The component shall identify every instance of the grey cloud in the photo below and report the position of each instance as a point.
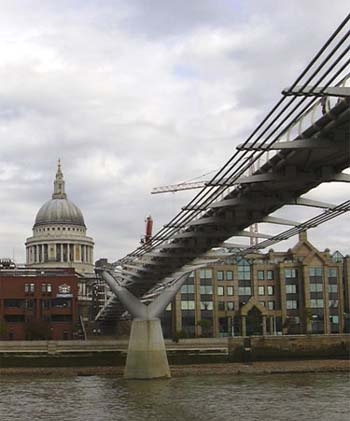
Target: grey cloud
(157, 18)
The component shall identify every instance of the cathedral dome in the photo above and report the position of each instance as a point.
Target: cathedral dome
(59, 210)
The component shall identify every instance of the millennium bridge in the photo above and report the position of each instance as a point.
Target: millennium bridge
(303, 141)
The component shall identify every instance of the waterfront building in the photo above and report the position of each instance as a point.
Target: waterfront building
(38, 304)
(302, 290)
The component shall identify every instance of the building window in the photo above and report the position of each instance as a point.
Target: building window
(316, 303)
(220, 290)
(205, 274)
(334, 319)
(64, 289)
(291, 289)
(270, 290)
(244, 291)
(261, 290)
(45, 304)
(261, 275)
(291, 304)
(317, 271)
(14, 302)
(14, 318)
(46, 288)
(262, 303)
(29, 288)
(337, 257)
(243, 270)
(229, 275)
(187, 305)
(187, 289)
(221, 305)
(61, 302)
(290, 273)
(206, 305)
(333, 303)
(206, 289)
(332, 272)
(29, 304)
(230, 305)
(66, 318)
(333, 288)
(229, 290)
(220, 275)
(269, 274)
(168, 307)
(316, 287)
(271, 305)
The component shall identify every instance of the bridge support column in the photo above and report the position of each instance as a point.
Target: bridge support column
(147, 357)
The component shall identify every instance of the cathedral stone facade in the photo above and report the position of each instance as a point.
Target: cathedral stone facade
(59, 234)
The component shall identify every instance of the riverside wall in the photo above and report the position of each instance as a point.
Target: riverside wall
(264, 348)
(62, 353)
(186, 351)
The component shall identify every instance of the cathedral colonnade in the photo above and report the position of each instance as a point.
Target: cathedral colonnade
(59, 252)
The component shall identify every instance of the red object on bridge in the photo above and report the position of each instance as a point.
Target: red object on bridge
(149, 226)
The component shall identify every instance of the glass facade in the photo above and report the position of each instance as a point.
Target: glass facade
(243, 270)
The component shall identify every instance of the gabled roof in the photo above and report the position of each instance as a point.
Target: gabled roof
(253, 302)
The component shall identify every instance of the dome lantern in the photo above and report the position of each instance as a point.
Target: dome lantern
(59, 192)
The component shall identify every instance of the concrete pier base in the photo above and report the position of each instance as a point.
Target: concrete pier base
(146, 357)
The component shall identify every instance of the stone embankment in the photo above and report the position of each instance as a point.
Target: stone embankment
(262, 348)
(199, 355)
(232, 369)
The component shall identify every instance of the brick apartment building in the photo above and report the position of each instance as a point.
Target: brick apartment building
(302, 290)
(38, 303)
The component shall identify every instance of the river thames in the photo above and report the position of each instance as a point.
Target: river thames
(315, 396)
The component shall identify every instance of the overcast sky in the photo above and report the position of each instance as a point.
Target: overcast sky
(137, 94)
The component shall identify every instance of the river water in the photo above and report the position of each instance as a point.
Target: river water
(280, 397)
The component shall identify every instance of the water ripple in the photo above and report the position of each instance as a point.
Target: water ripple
(272, 397)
